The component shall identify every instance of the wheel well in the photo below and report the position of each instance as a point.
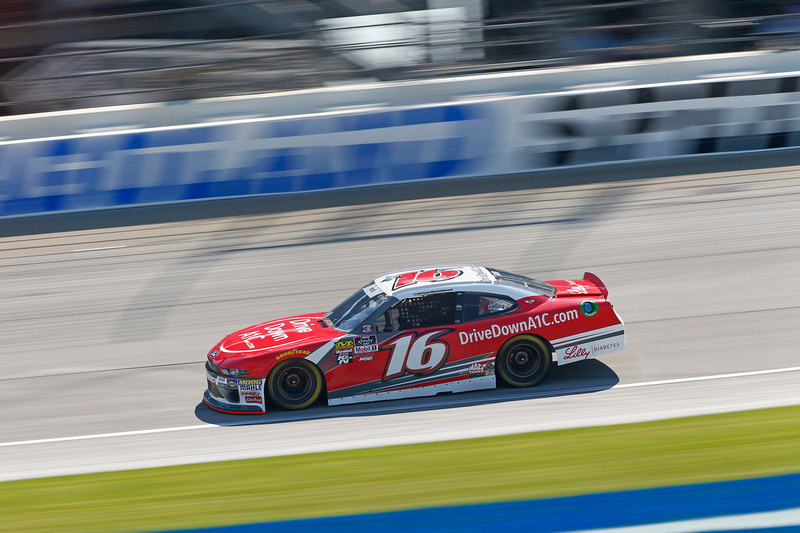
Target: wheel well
(549, 347)
(324, 392)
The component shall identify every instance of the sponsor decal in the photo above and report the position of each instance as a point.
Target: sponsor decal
(221, 382)
(301, 353)
(275, 331)
(575, 352)
(477, 369)
(589, 308)
(343, 348)
(252, 397)
(367, 328)
(278, 331)
(533, 322)
(250, 385)
(421, 276)
(366, 358)
(589, 349)
(605, 347)
(576, 288)
(366, 349)
(301, 325)
(343, 345)
(345, 359)
(227, 383)
(437, 291)
(545, 319)
(366, 341)
(213, 354)
(372, 290)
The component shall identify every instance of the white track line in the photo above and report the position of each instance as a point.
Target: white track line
(750, 522)
(231, 424)
(708, 378)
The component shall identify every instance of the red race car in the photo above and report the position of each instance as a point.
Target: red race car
(415, 333)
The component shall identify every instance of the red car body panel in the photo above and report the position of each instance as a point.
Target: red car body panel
(374, 361)
(257, 348)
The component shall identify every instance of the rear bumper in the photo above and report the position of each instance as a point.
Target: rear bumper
(589, 344)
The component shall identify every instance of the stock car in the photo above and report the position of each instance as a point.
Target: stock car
(414, 333)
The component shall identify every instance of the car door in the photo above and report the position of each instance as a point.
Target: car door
(479, 334)
(412, 344)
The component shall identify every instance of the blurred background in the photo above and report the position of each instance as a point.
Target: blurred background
(675, 181)
(69, 54)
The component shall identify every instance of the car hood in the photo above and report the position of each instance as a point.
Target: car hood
(277, 336)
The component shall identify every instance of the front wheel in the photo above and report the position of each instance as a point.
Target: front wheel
(523, 361)
(295, 384)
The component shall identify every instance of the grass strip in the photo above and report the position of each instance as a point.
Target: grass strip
(533, 465)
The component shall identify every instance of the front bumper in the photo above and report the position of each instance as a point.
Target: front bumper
(234, 395)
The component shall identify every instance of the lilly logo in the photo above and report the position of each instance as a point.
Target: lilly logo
(574, 352)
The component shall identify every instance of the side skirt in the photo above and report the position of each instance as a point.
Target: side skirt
(478, 383)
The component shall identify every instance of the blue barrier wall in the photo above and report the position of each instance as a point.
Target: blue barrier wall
(252, 157)
(108, 158)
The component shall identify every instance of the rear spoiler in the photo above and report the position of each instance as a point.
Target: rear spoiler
(594, 279)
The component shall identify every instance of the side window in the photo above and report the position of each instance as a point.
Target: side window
(419, 312)
(388, 321)
(478, 306)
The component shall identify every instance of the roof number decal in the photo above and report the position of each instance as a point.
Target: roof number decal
(421, 276)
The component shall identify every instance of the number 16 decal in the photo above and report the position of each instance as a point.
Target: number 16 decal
(417, 355)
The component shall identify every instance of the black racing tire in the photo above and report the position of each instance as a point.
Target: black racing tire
(523, 361)
(295, 384)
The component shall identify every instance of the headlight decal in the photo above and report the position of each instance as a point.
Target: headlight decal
(235, 372)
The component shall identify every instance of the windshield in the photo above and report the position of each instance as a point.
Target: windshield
(515, 279)
(352, 312)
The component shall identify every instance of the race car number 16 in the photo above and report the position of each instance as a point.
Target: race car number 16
(417, 357)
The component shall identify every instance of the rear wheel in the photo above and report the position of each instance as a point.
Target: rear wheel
(295, 384)
(523, 361)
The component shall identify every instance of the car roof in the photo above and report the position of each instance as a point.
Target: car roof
(408, 283)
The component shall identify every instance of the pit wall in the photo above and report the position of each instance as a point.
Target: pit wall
(365, 135)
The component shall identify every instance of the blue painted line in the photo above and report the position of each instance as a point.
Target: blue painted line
(573, 513)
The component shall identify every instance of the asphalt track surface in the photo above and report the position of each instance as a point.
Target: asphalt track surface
(106, 318)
